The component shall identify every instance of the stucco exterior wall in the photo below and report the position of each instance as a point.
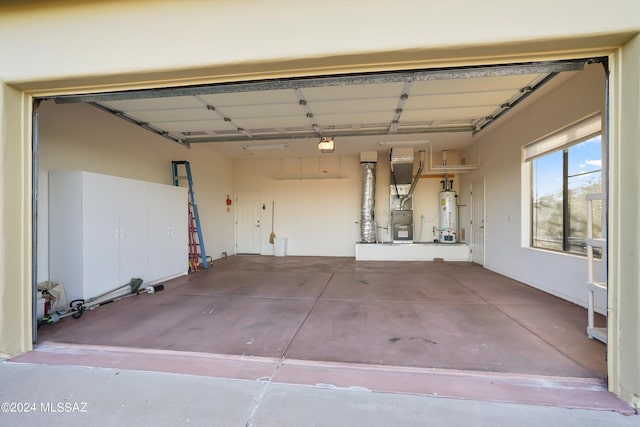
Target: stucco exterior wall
(55, 48)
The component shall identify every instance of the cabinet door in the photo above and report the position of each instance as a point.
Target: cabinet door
(133, 230)
(101, 234)
(179, 253)
(159, 225)
(167, 231)
(65, 231)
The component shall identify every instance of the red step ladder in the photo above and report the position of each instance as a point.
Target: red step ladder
(194, 254)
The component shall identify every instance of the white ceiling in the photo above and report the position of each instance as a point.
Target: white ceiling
(360, 115)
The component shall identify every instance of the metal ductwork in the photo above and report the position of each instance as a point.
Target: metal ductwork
(415, 181)
(367, 221)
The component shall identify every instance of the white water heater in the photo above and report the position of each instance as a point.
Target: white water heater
(448, 216)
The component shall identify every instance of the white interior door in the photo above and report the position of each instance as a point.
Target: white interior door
(477, 221)
(248, 222)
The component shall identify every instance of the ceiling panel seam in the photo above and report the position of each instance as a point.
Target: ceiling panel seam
(352, 108)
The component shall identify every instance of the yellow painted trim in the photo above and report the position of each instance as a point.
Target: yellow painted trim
(15, 223)
(451, 57)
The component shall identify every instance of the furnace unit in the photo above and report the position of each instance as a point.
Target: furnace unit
(401, 192)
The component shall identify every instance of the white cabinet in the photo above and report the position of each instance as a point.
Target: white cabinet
(104, 230)
(134, 233)
(168, 229)
(96, 233)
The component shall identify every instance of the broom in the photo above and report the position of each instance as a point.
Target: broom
(272, 236)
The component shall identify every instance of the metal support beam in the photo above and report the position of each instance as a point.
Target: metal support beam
(523, 94)
(143, 125)
(395, 122)
(307, 111)
(331, 133)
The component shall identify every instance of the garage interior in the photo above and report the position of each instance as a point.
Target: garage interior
(319, 305)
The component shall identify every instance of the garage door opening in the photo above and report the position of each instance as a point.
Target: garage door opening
(319, 303)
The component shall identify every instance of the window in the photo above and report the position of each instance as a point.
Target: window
(562, 174)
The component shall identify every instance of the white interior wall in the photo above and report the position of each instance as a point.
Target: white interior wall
(500, 151)
(81, 137)
(321, 216)
(318, 216)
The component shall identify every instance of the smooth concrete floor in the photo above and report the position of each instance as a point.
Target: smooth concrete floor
(425, 328)
(412, 314)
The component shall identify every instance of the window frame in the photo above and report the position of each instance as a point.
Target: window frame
(559, 141)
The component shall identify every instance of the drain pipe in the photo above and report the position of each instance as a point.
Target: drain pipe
(415, 181)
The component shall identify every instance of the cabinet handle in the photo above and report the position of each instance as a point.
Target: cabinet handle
(121, 233)
(117, 234)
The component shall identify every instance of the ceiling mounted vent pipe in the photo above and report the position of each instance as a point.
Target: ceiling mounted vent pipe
(415, 181)
(368, 162)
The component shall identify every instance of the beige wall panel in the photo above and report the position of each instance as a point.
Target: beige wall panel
(118, 42)
(15, 223)
(624, 229)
